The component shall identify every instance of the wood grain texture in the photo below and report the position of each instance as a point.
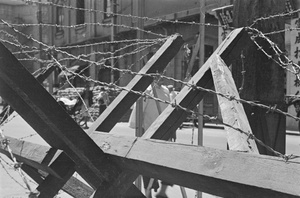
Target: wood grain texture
(58, 129)
(171, 118)
(120, 105)
(219, 172)
(233, 113)
(32, 155)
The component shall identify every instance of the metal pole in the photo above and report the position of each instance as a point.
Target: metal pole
(201, 62)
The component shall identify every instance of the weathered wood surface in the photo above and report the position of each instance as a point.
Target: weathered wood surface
(65, 168)
(38, 171)
(172, 118)
(233, 113)
(125, 100)
(219, 172)
(156, 64)
(40, 77)
(59, 130)
(108, 119)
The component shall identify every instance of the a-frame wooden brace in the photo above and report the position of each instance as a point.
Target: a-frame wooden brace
(110, 163)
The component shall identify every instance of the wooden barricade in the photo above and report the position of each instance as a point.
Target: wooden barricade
(111, 163)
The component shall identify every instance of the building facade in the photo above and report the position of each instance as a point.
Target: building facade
(90, 21)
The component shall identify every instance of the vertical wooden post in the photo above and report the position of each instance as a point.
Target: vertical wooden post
(139, 104)
(264, 79)
(112, 37)
(201, 62)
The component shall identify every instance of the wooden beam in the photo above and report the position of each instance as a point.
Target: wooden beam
(169, 49)
(116, 110)
(34, 151)
(120, 105)
(168, 122)
(43, 75)
(233, 113)
(219, 172)
(51, 121)
(65, 168)
(34, 167)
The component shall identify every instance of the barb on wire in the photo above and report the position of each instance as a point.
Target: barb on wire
(177, 106)
(159, 20)
(243, 73)
(17, 165)
(281, 59)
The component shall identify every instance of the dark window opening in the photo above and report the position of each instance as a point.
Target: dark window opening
(80, 12)
(59, 19)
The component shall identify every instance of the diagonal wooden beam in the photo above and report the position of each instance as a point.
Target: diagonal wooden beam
(125, 100)
(109, 118)
(171, 118)
(38, 171)
(218, 172)
(51, 185)
(168, 50)
(38, 108)
(43, 75)
(233, 113)
(122, 103)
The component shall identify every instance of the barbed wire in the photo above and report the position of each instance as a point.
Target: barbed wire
(87, 24)
(273, 108)
(17, 165)
(177, 106)
(281, 59)
(8, 173)
(49, 49)
(159, 20)
(280, 15)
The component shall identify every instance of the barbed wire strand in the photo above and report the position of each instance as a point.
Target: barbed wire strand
(159, 20)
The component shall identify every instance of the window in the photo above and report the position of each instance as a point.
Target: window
(80, 12)
(59, 18)
(107, 8)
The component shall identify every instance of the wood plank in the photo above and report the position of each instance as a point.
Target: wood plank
(45, 73)
(171, 118)
(65, 168)
(158, 63)
(125, 100)
(219, 172)
(123, 188)
(58, 129)
(233, 113)
(23, 148)
(108, 119)
(35, 155)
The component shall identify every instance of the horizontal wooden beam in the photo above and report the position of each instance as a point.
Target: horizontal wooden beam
(219, 172)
